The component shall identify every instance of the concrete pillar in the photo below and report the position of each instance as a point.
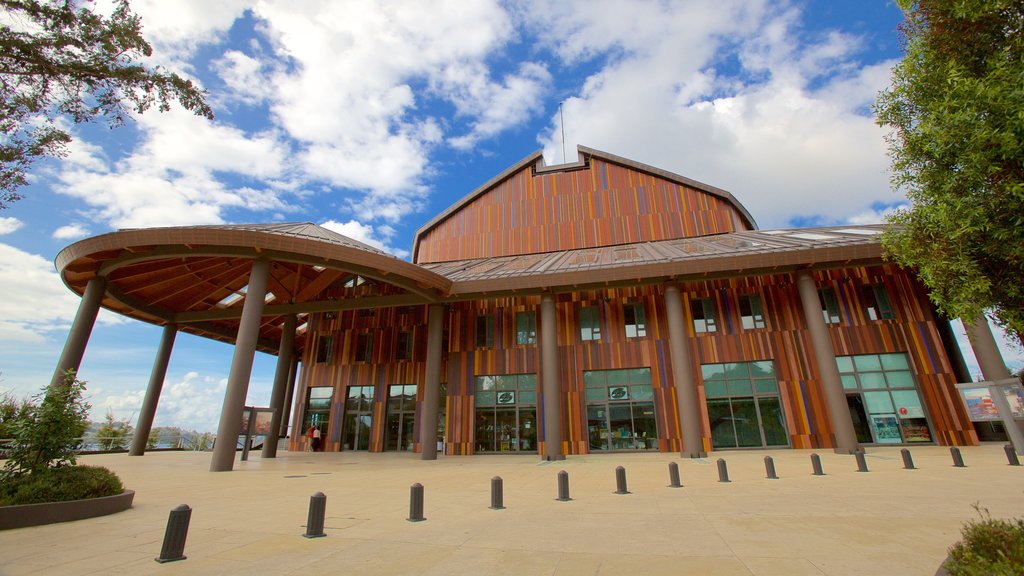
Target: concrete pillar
(432, 385)
(81, 329)
(682, 373)
(552, 394)
(287, 408)
(241, 368)
(156, 384)
(284, 364)
(831, 384)
(985, 349)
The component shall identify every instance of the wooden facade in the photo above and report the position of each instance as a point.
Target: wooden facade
(604, 202)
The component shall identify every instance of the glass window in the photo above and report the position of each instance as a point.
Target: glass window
(845, 363)
(364, 347)
(324, 349)
(590, 323)
(744, 408)
(894, 361)
(829, 305)
(703, 312)
(506, 418)
(877, 305)
(526, 328)
(403, 347)
(867, 362)
(872, 380)
(888, 405)
(751, 316)
(620, 409)
(485, 331)
(636, 324)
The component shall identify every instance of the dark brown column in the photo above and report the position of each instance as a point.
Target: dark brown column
(81, 329)
(432, 384)
(831, 384)
(682, 373)
(985, 349)
(552, 394)
(156, 384)
(277, 394)
(241, 368)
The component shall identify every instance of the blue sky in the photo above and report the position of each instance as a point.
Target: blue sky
(371, 117)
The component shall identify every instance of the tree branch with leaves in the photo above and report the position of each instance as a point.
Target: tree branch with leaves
(60, 60)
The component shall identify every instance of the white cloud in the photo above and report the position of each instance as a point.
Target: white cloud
(378, 238)
(735, 94)
(874, 215)
(193, 402)
(71, 232)
(176, 175)
(9, 224)
(496, 107)
(36, 304)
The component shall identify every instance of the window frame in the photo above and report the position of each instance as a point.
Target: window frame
(706, 323)
(364, 347)
(590, 323)
(403, 350)
(830, 309)
(877, 303)
(756, 309)
(527, 337)
(487, 331)
(639, 319)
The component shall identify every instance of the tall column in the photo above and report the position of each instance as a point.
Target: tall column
(552, 393)
(985, 349)
(284, 364)
(156, 384)
(287, 409)
(831, 384)
(682, 373)
(432, 385)
(81, 329)
(241, 367)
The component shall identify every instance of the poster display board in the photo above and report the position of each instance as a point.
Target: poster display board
(982, 408)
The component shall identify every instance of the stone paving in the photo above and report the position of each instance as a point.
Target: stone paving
(888, 520)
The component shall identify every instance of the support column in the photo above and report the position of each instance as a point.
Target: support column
(985, 349)
(287, 409)
(831, 384)
(156, 384)
(552, 394)
(81, 329)
(277, 394)
(682, 373)
(241, 367)
(432, 385)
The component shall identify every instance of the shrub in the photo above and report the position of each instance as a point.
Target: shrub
(60, 485)
(988, 548)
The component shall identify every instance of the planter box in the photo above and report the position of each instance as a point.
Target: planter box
(52, 512)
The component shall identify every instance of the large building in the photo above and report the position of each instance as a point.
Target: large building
(602, 305)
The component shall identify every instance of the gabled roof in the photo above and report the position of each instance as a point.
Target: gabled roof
(537, 160)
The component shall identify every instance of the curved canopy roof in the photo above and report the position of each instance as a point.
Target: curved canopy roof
(196, 276)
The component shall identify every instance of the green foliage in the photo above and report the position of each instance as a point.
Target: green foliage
(199, 441)
(11, 410)
(48, 437)
(61, 60)
(956, 114)
(113, 434)
(988, 548)
(60, 485)
(153, 440)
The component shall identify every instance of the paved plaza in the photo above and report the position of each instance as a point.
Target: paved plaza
(250, 521)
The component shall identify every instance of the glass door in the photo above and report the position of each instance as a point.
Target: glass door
(358, 420)
(401, 417)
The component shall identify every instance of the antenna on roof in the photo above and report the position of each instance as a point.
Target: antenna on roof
(561, 123)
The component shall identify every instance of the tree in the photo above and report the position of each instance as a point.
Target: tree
(957, 147)
(113, 434)
(49, 436)
(61, 61)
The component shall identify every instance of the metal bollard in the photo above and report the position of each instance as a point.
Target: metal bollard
(317, 512)
(958, 459)
(816, 464)
(673, 475)
(563, 486)
(769, 468)
(862, 463)
(620, 480)
(908, 460)
(497, 498)
(174, 538)
(416, 503)
(723, 471)
(1011, 455)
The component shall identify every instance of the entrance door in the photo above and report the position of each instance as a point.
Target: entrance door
(401, 417)
(358, 419)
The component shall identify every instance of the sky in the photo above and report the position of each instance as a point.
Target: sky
(371, 117)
